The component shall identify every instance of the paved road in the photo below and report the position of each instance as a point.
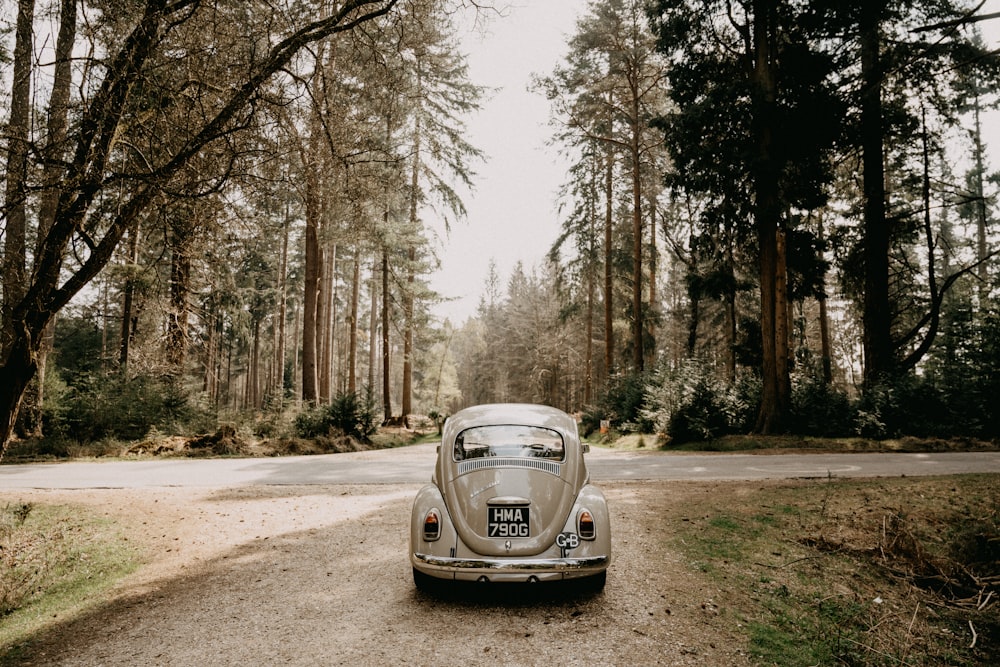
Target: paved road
(414, 465)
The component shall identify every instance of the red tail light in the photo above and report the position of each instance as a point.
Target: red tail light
(585, 525)
(432, 526)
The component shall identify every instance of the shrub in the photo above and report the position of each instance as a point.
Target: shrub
(102, 407)
(819, 409)
(907, 405)
(690, 403)
(22, 558)
(349, 414)
(621, 404)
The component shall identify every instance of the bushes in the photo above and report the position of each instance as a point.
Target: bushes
(691, 403)
(102, 407)
(349, 414)
(621, 404)
(820, 409)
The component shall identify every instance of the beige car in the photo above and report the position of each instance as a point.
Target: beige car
(510, 501)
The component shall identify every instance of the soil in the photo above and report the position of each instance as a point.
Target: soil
(319, 575)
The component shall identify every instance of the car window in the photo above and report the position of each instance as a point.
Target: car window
(509, 440)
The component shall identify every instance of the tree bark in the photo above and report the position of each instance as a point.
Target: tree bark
(129, 320)
(15, 192)
(373, 326)
(774, 400)
(877, 318)
(826, 351)
(181, 246)
(313, 268)
(324, 325)
(279, 347)
(411, 256)
(609, 221)
(54, 155)
(386, 370)
(638, 351)
(352, 351)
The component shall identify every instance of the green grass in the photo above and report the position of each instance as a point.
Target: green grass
(886, 572)
(56, 562)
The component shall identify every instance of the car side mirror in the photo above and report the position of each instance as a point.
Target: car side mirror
(586, 448)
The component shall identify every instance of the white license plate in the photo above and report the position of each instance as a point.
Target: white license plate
(508, 521)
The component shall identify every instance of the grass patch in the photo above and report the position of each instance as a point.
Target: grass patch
(794, 443)
(847, 572)
(55, 561)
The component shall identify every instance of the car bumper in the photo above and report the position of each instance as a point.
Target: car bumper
(509, 569)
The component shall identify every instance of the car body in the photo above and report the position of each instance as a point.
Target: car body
(510, 500)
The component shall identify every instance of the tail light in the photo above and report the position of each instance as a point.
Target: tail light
(585, 525)
(432, 526)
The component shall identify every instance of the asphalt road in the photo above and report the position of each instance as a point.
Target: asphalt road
(414, 464)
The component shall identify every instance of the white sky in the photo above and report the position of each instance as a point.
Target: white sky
(512, 214)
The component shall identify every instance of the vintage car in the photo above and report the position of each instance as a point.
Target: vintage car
(510, 500)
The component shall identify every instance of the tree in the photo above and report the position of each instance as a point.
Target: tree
(753, 124)
(440, 95)
(609, 91)
(90, 174)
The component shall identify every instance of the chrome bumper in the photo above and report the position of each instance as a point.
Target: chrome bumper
(539, 565)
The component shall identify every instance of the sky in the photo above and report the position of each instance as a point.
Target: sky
(512, 214)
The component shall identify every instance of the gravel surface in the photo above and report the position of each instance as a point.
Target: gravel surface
(319, 575)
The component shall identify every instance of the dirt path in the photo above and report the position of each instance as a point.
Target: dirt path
(319, 575)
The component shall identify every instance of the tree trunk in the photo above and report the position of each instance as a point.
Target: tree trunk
(55, 150)
(352, 344)
(129, 321)
(877, 318)
(588, 380)
(18, 370)
(311, 293)
(730, 297)
(783, 324)
(653, 267)
(386, 370)
(373, 326)
(15, 193)
(826, 351)
(983, 287)
(210, 383)
(774, 372)
(638, 352)
(694, 317)
(252, 395)
(407, 397)
(609, 221)
(324, 325)
(181, 243)
(279, 347)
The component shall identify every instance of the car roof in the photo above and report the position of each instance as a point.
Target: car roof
(528, 414)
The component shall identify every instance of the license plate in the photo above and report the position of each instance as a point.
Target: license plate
(508, 521)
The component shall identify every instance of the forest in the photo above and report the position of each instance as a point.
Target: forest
(778, 217)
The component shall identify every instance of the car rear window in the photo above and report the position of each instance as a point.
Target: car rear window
(509, 440)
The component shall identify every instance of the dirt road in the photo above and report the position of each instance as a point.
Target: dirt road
(318, 575)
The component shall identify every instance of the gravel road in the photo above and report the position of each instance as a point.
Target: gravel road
(319, 575)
